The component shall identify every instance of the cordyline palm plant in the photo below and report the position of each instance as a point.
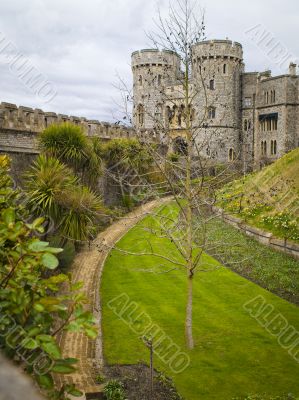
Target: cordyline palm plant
(54, 191)
(83, 209)
(45, 182)
(69, 144)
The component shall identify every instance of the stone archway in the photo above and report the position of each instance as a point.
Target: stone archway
(180, 146)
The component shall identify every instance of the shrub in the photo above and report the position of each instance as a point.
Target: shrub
(114, 390)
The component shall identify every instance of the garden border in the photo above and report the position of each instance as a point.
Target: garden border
(266, 238)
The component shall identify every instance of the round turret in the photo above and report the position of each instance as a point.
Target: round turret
(216, 73)
(152, 71)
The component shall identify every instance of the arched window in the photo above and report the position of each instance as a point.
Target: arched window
(168, 115)
(158, 113)
(274, 95)
(27, 118)
(181, 115)
(140, 113)
(212, 84)
(46, 122)
(212, 112)
(231, 155)
(224, 68)
(180, 146)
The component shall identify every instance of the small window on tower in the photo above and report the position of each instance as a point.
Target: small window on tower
(159, 79)
(140, 114)
(224, 68)
(212, 112)
(212, 84)
(231, 155)
(247, 102)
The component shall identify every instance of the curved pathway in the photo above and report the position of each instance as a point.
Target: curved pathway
(87, 267)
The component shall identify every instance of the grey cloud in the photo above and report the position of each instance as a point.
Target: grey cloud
(79, 45)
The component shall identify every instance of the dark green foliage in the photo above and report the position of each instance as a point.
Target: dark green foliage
(68, 143)
(114, 390)
(54, 191)
(30, 301)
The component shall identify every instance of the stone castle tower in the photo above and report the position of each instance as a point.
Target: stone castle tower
(152, 71)
(230, 110)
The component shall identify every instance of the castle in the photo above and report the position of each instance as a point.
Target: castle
(249, 116)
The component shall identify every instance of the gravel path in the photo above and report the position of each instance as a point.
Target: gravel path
(87, 267)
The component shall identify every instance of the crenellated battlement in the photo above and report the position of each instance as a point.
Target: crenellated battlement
(154, 57)
(26, 119)
(20, 126)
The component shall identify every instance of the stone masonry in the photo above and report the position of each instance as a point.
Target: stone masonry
(247, 116)
(19, 127)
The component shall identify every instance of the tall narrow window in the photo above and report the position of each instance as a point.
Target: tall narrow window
(212, 113)
(245, 125)
(158, 113)
(273, 147)
(212, 84)
(46, 122)
(159, 79)
(231, 155)
(224, 68)
(140, 80)
(274, 97)
(27, 118)
(264, 147)
(140, 113)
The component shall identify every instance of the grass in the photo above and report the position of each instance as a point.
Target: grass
(267, 199)
(273, 270)
(234, 356)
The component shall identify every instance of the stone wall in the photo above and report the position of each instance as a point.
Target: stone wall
(261, 236)
(19, 127)
(235, 95)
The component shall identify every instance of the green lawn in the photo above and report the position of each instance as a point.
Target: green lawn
(273, 270)
(234, 355)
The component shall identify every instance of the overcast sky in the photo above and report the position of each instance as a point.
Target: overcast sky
(78, 47)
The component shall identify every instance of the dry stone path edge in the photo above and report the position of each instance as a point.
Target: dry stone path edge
(87, 268)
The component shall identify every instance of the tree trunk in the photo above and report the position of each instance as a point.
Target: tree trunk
(189, 307)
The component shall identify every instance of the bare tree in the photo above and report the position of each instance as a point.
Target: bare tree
(174, 103)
